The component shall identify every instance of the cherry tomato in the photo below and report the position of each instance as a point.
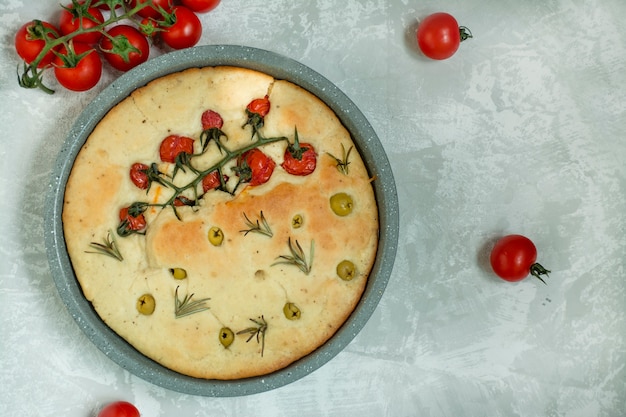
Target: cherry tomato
(153, 10)
(173, 145)
(124, 47)
(130, 224)
(201, 6)
(212, 181)
(260, 106)
(211, 119)
(29, 41)
(439, 35)
(185, 29)
(255, 167)
(119, 409)
(70, 22)
(513, 258)
(299, 159)
(139, 175)
(74, 74)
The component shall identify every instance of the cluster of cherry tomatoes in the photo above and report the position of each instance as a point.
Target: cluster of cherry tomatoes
(120, 31)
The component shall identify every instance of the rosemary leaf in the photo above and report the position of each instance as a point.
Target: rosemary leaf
(186, 307)
(256, 227)
(297, 257)
(108, 248)
(257, 330)
(342, 164)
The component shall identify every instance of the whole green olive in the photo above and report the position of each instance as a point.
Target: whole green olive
(227, 337)
(146, 304)
(297, 221)
(346, 270)
(178, 273)
(341, 204)
(216, 236)
(292, 311)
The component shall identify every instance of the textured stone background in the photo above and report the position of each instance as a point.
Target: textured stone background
(522, 131)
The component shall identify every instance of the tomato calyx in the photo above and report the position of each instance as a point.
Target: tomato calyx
(294, 149)
(465, 33)
(537, 270)
(70, 58)
(121, 46)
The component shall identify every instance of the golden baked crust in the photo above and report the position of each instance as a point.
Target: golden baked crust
(246, 281)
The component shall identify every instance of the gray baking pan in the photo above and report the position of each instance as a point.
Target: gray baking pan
(279, 67)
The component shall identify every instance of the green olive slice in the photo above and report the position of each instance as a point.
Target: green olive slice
(178, 273)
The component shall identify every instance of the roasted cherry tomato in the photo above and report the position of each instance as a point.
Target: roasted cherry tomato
(124, 47)
(139, 175)
(119, 409)
(200, 6)
(75, 71)
(184, 30)
(439, 35)
(211, 119)
(29, 41)
(255, 167)
(513, 258)
(83, 17)
(260, 106)
(299, 159)
(130, 223)
(152, 11)
(212, 181)
(173, 145)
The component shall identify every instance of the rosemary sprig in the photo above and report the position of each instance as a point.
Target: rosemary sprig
(256, 227)
(186, 307)
(297, 257)
(257, 330)
(108, 248)
(342, 164)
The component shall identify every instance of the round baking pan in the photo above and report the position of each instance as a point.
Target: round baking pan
(279, 67)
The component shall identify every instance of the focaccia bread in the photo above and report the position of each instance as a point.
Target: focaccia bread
(221, 221)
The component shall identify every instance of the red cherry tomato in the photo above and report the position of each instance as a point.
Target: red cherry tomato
(185, 30)
(260, 106)
(124, 47)
(153, 10)
(139, 175)
(255, 167)
(119, 409)
(129, 223)
(300, 159)
(439, 35)
(29, 41)
(173, 145)
(211, 119)
(201, 6)
(81, 75)
(513, 258)
(212, 181)
(70, 22)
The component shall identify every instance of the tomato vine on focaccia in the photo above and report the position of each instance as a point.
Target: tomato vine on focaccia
(238, 218)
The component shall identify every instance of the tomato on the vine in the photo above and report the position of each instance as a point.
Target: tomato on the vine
(78, 69)
(173, 145)
(119, 409)
(182, 28)
(299, 158)
(201, 6)
(30, 41)
(124, 47)
(82, 17)
(130, 222)
(153, 11)
(439, 35)
(513, 258)
(255, 167)
(139, 175)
